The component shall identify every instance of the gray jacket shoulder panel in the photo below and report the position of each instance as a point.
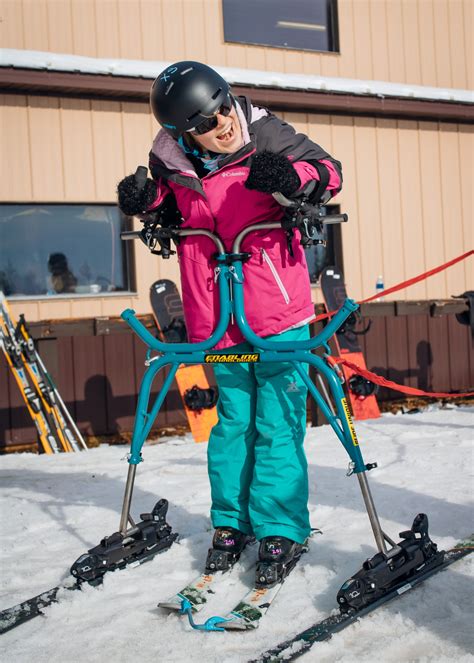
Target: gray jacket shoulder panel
(273, 134)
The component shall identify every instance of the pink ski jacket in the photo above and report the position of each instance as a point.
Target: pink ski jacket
(276, 285)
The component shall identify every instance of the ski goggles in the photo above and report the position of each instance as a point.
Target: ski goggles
(211, 121)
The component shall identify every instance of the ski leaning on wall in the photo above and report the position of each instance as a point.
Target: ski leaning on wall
(56, 429)
(199, 399)
(361, 392)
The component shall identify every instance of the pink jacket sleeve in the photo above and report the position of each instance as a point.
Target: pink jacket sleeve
(307, 172)
(162, 190)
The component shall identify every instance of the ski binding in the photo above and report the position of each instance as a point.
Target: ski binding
(137, 545)
(416, 553)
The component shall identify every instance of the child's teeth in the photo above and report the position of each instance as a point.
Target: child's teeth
(226, 135)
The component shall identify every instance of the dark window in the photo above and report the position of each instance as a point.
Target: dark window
(320, 256)
(63, 250)
(309, 25)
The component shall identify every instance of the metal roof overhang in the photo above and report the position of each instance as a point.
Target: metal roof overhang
(124, 88)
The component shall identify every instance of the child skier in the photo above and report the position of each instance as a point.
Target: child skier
(219, 159)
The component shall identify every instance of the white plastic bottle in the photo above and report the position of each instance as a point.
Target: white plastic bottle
(379, 287)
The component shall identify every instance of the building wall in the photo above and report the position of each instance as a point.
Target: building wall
(407, 184)
(423, 42)
(407, 190)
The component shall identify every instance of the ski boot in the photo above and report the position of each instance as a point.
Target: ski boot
(277, 556)
(227, 545)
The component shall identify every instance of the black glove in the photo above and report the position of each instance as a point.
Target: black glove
(137, 192)
(270, 172)
(167, 214)
(135, 196)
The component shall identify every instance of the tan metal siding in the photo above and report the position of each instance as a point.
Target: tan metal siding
(60, 27)
(411, 204)
(407, 189)
(46, 154)
(345, 148)
(468, 24)
(466, 179)
(426, 42)
(78, 149)
(433, 230)
(410, 29)
(15, 164)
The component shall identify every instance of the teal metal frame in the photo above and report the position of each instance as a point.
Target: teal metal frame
(230, 279)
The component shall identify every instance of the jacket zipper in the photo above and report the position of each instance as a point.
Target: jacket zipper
(276, 275)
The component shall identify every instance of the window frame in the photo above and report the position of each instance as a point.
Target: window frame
(128, 255)
(332, 27)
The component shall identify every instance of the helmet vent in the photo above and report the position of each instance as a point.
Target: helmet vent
(217, 93)
(169, 88)
(186, 71)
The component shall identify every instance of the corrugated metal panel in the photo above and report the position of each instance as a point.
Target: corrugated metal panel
(412, 41)
(77, 149)
(15, 164)
(466, 171)
(434, 232)
(60, 26)
(468, 22)
(46, 147)
(409, 178)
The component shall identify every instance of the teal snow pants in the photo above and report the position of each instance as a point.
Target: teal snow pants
(256, 460)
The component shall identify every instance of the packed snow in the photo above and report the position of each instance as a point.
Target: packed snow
(56, 507)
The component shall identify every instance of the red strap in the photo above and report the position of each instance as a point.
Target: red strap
(418, 278)
(405, 284)
(383, 382)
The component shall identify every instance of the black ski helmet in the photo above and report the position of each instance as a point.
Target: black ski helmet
(185, 94)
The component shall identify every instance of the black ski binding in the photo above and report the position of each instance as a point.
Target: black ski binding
(175, 332)
(197, 399)
(141, 543)
(349, 326)
(227, 546)
(362, 387)
(415, 554)
(277, 558)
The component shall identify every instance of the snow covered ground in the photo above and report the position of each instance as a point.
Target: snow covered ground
(56, 507)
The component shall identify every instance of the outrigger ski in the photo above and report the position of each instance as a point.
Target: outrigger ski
(136, 545)
(294, 647)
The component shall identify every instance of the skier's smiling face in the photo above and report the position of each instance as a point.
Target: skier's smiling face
(226, 137)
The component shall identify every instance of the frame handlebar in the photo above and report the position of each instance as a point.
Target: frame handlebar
(159, 233)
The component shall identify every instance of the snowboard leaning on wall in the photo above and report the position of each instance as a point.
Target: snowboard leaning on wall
(199, 398)
(361, 392)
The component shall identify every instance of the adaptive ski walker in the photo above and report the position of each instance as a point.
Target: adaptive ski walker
(394, 562)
